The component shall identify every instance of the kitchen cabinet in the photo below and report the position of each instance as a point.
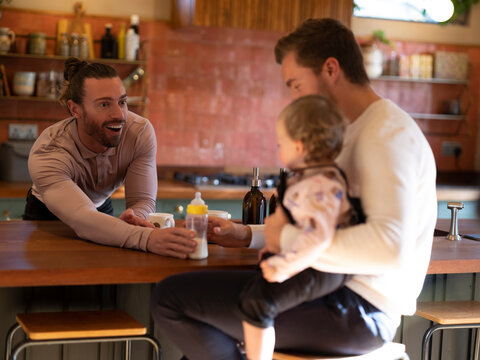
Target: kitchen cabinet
(12, 208)
(275, 15)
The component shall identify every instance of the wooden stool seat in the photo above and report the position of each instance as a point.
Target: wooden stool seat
(54, 328)
(450, 312)
(449, 315)
(389, 351)
(79, 324)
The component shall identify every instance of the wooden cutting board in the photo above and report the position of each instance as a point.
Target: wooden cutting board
(77, 25)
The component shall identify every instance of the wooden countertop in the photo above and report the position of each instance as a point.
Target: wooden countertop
(40, 253)
(43, 253)
(167, 189)
(451, 257)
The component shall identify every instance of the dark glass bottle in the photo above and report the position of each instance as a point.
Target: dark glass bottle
(109, 44)
(254, 203)
(272, 204)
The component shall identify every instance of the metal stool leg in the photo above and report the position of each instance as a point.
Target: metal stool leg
(128, 350)
(10, 335)
(433, 328)
(477, 345)
(426, 341)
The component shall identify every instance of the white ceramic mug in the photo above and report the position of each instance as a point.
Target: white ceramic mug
(219, 213)
(24, 83)
(161, 220)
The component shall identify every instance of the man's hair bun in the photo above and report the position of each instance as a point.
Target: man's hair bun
(72, 67)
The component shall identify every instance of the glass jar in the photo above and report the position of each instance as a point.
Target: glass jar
(37, 43)
(41, 88)
(83, 45)
(51, 84)
(74, 45)
(64, 45)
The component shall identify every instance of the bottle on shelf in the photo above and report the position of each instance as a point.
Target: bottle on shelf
(121, 42)
(197, 220)
(132, 39)
(254, 203)
(131, 45)
(74, 45)
(134, 20)
(108, 44)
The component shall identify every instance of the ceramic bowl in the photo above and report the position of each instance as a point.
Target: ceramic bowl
(24, 83)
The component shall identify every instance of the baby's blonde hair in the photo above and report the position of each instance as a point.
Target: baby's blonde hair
(318, 124)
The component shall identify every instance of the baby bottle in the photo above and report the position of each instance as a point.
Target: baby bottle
(197, 219)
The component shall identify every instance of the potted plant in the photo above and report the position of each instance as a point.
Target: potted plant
(461, 8)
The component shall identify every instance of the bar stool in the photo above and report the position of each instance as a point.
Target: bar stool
(449, 315)
(389, 351)
(54, 328)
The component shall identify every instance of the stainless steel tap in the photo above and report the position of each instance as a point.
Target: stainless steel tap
(454, 208)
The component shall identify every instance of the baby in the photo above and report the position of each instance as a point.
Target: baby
(315, 199)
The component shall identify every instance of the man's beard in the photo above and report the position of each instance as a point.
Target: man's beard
(98, 132)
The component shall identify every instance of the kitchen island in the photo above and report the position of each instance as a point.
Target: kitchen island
(44, 266)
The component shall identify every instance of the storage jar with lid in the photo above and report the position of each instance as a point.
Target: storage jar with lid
(37, 43)
(83, 45)
(64, 45)
(74, 45)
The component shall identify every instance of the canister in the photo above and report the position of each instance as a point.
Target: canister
(36, 43)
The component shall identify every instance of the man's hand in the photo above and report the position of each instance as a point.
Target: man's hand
(227, 233)
(129, 217)
(174, 242)
(273, 228)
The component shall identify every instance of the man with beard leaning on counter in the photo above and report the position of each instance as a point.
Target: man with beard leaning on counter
(389, 166)
(77, 163)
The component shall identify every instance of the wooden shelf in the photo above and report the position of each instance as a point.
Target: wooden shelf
(63, 58)
(133, 101)
(438, 116)
(28, 98)
(419, 80)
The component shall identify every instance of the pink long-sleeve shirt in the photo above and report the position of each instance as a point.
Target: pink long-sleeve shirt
(73, 181)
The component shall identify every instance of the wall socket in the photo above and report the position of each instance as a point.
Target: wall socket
(451, 148)
(22, 131)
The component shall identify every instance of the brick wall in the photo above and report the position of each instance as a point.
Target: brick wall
(214, 93)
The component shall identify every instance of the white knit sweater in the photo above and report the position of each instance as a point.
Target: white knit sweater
(390, 166)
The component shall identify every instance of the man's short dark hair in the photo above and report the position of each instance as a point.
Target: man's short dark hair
(316, 40)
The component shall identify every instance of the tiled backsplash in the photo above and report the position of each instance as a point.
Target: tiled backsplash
(214, 94)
